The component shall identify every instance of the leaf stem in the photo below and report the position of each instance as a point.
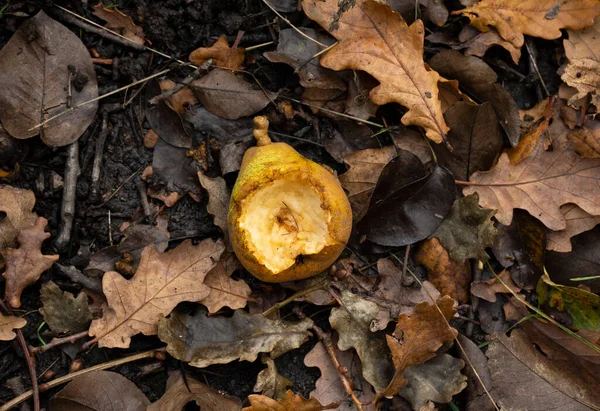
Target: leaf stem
(317, 286)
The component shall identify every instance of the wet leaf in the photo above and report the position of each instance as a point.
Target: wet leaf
(201, 340)
(161, 282)
(25, 265)
(221, 53)
(35, 71)
(353, 322)
(16, 205)
(449, 276)
(218, 199)
(417, 337)
(182, 391)
(515, 18)
(578, 221)
(100, 391)
(8, 324)
(468, 230)
(375, 39)
(120, 22)
(295, 402)
(438, 380)
(224, 290)
(172, 165)
(62, 311)
(270, 383)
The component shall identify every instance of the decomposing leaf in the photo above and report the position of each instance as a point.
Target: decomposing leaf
(358, 103)
(582, 307)
(179, 101)
(8, 324)
(165, 121)
(468, 230)
(438, 380)
(161, 282)
(515, 18)
(270, 383)
(223, 55)
(353, 322)
(417, 337)
(449, 276)
(37, 66)
(492, 317)
(120, 22)
(406, 205)
(172, 165)
(540, 184)
(475, 136)
(16, 205)
(375, 39)
(291, 401)
(477, 399)
(202, 340)
(100, 391)
(329, 388)
(229, 96)
(180, 392)
(524, 379)
(583, 75)
(578, 221)
(487, 289)
(62, 311)
(224, 290)
(25, 265)
(218, 199)
(587, 139)
(583, 43)
(530, 139)
(479, 81)
(482, 42)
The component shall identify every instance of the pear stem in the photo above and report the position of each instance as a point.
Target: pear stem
(261, 131)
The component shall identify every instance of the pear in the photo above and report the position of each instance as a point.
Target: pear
(289, 218)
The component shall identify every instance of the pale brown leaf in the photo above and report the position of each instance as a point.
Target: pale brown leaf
(17, 205)
(583, 43)
(578, 221)
(120, 22)
(269, 382)
(587, 139)
(291, 402)
(584, 75)
(161, 282)
(8, 324)
(488, 289)
(218, 199)
(223, 55)
(224, 290)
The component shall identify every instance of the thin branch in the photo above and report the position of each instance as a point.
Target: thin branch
(292, 26)
(317, 286)
(67, 211)
(58, 341)
(186, 82)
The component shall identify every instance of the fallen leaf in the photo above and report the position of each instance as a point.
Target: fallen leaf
(540, 184)
(120, 22)
(201, 340)
(492, 317)
(164, 120)
(224, 290)
(587, 139)
(468, 230)
(515, 18)
(375, 39)
(100, 391)
(269, 382)
(581, 306)
(578, 221)
(487, 289)
(582, 74)
(358, 103)
(36, 66)
(291, 402)
(353, 322)
(180, 392)
(438, 380)
(8, 324)
(229, 96)
(179, 101)
(475, 136)
(218, 199)
(524, 378)
(530, 139)
(62, 311)
(25, 265)
(223, 55)
(477, 399)
(482, 42)
(161, 282)
(417, 338)
(449, 276)
(583, 43)
(172, 165)
(16, 205)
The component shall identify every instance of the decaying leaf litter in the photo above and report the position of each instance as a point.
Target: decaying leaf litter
(466, 139)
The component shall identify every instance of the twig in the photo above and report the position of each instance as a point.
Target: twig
(292, 26)
(317, 286)
(360, 120)
(58, 341)
(257, 46)
(477, 268)
(343, 372)
(406, 255)
(531, 51)
(97, 60)
(97, 167)
(30, 363)
(118, 188)
(66, 378)
(78, 277)
(143, 198)
(67, 211)
(185, 82)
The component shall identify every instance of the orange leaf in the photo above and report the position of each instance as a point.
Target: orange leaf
(291, 402)
(116, 20)
(377, 40)
(223, 55)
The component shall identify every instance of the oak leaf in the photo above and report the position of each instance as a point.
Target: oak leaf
(224, 290)
(161, 281)
(515, 18)
(62, 311)
(16, 204)
(578, 221)
(121, 22)
(377, 40)
(25, 265)
(488, 289)
(540, 184)
(291, 402)
(584, 75)
(587, 139)
(417, 338)
(218, 199)
(8, 324)
(269, 382)
(223, 55)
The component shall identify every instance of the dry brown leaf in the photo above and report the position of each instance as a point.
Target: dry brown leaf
(530, 140)
(161, 282)
(120, 22)
(224, 291)
(417, 338)
(584, 75)
(537, 18)
(377, 40)
(218, 199)
(450, 277)
(540, 184)
(587, 139)
(180, 100)
(291, 402)
(478, 45)
(223, 55)
(578, 221)
(488, 289)
(25, 265)
(8, 324)
(584, 43)
(269, 382)
(16, 204)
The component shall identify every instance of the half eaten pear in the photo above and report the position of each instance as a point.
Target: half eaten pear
(289, 217)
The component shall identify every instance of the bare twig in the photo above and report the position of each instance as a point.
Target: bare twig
(58, 341)
(67, 211)
(77, 276)
(185, 82)
(532, 52)
(141, 187)
(477, 268)
(292, 26)
(317, 286)
(97, 167)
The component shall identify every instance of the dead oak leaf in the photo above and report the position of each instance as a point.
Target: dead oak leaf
(377, 40)
(417, 338)
(224, 56)
(291, 402)
(538, 18)
(587, 139)
(269, 382)
(578, 221)
(8, 324)
(540, 184)
(16, 204)
(218, 199)
(224, 290)
(25, 265)
(161, 281)
(121, 22)
(584, 75)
